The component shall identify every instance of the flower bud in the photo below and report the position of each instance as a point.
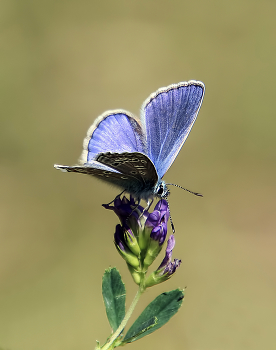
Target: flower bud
(157, 220)
(123, 249)
(131, 242)
(136, 275)
(166, 269)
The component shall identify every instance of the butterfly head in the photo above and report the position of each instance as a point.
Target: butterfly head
(161, 190)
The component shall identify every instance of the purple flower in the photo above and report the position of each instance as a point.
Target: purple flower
(119, 238)
(140, 236)
(127, 246)
(167, 267)
(131, 215)
(125, 209)
(158, 221)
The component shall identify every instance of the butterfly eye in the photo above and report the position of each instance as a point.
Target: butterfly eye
(160, 190)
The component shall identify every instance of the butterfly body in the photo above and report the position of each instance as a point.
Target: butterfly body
(134, 156)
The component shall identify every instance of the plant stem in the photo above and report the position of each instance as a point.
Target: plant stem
(125, 320)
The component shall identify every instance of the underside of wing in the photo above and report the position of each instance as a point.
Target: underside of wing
(101, 172)
(114, 131)
(167, 118)
(133, 172)
(135, 165)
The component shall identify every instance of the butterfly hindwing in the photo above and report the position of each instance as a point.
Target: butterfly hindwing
(167, 117)
(134, 164)
(104, 173)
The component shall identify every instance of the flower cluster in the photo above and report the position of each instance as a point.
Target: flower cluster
(140, 237)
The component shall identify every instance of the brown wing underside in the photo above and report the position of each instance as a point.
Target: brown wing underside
(135, 172)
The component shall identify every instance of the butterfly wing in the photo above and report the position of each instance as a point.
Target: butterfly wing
(137, 168)
(102, 172)
(133, 172)
(114, 131)
(112, 152)
(167, 117)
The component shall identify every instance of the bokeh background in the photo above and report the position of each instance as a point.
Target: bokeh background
(63, 63)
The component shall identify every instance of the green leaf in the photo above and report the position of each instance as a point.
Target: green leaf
(114, 295)
(162, 308)
(143, 328)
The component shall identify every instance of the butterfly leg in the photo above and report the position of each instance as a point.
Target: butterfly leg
(149, 203)
(136, 206)
(119, 195)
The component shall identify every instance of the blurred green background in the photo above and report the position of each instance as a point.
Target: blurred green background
(63, 63)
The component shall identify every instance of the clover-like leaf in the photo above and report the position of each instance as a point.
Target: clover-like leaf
(161, 309)
(144, 327)
(114, 295)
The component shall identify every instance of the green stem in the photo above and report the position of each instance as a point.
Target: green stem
(125, 320)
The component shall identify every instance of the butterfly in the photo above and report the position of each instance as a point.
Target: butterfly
(135, 155)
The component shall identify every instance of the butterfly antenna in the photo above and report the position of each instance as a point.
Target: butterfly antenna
(195, 193)
(172, 225)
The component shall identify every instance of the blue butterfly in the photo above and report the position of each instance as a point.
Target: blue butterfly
(133, 155)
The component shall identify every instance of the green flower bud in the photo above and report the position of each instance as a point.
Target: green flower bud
(136, 275)
(123, 249)
(131, 242)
